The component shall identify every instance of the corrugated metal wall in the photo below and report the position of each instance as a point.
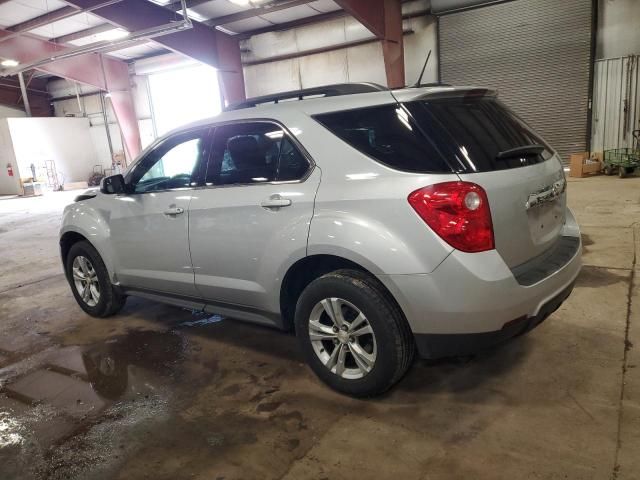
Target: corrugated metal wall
(616, 102)
(537, 53)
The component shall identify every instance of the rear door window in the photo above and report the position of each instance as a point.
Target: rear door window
(389, 135)
(254, 152)
(479, 134)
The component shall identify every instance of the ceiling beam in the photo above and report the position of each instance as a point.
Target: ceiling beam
(70, 37)
(43, 20)
(198, 42)
(87, 32)
(190, 4)
(201, 42)
(100, 71)
(255, 12)
(369, 13)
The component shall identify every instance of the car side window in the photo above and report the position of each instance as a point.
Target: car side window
(172, 164)
(292, 165)
(247, 153)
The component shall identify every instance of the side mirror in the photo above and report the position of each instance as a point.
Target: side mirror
(113, 185)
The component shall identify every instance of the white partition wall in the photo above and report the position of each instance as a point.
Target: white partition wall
(66, 141)
(9, 174)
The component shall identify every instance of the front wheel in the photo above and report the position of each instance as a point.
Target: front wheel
(90, 283)
(353, 335)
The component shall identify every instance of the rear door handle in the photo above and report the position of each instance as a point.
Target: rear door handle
(174, 211)
(275, 201)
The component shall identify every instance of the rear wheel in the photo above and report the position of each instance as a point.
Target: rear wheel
(354, 337)
(90, 283)
(622, 172)
(607, 170)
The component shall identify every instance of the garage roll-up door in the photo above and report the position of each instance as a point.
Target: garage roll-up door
(536, 53)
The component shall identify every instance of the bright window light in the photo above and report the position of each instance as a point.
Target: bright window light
(184, 95)
(114, 34)
(9, 63)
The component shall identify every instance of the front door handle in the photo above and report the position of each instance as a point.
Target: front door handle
(174, 211)
(275, 201)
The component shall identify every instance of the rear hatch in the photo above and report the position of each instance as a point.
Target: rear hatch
(486, 143)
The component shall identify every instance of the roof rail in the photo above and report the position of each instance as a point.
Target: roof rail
(326, 91)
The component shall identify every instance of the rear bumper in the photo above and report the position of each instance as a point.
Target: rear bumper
(474, 299)
(451, 345)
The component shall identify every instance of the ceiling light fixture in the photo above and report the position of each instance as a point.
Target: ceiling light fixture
(115, 34)
(242, 3)
(9, 63)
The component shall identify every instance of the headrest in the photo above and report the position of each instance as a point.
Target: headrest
(245, 151)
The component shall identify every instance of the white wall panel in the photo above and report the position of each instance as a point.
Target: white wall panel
(9, 185)
(355, 31)
(616, 103)
(365, 64)
(66, 141)
(270, 44)
(362, 63)
(618, 28)
(324, 69)
(416, 48)
(272, 77)
(320, 35)
(8, 112)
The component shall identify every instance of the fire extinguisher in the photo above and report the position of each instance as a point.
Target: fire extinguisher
(10, 169)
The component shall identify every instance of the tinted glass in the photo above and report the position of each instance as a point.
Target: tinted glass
(292, 165)
(387, 134)
(171, 165)
(248, 153)
(476, 134)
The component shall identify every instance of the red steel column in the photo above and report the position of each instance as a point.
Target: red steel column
(230, 70)
(384, 19)
(87, 69)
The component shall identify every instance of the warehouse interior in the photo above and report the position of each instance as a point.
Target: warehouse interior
(159, 391)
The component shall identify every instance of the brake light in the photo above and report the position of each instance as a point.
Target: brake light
(458, 212)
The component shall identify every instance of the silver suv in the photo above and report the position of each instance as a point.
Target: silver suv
(372, 222)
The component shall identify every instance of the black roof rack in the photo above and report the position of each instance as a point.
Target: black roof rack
(326, 91)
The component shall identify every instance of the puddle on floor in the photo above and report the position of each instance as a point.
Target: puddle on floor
(70, 414)
(202, 322)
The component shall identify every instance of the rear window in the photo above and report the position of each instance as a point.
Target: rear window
(479, 134)
(388, 134)
(461, 134)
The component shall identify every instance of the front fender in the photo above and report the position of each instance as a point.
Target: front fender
(87, 219)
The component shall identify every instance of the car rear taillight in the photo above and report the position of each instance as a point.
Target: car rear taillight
(458, 212)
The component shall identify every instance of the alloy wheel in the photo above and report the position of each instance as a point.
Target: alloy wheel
(85, 279)
(342, 338)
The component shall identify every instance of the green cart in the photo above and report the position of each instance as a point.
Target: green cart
(624, 160)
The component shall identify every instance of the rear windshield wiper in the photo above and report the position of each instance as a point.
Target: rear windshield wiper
(524, 151)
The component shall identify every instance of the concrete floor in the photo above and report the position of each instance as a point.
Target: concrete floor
(184, 396)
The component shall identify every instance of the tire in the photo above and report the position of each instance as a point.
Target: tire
(108, 300)
(622, 172)
(388, 350)
(607, 170)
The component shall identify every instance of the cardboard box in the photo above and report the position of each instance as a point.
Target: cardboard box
(581, 165)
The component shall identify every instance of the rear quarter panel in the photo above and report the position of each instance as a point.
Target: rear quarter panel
(362, 213)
